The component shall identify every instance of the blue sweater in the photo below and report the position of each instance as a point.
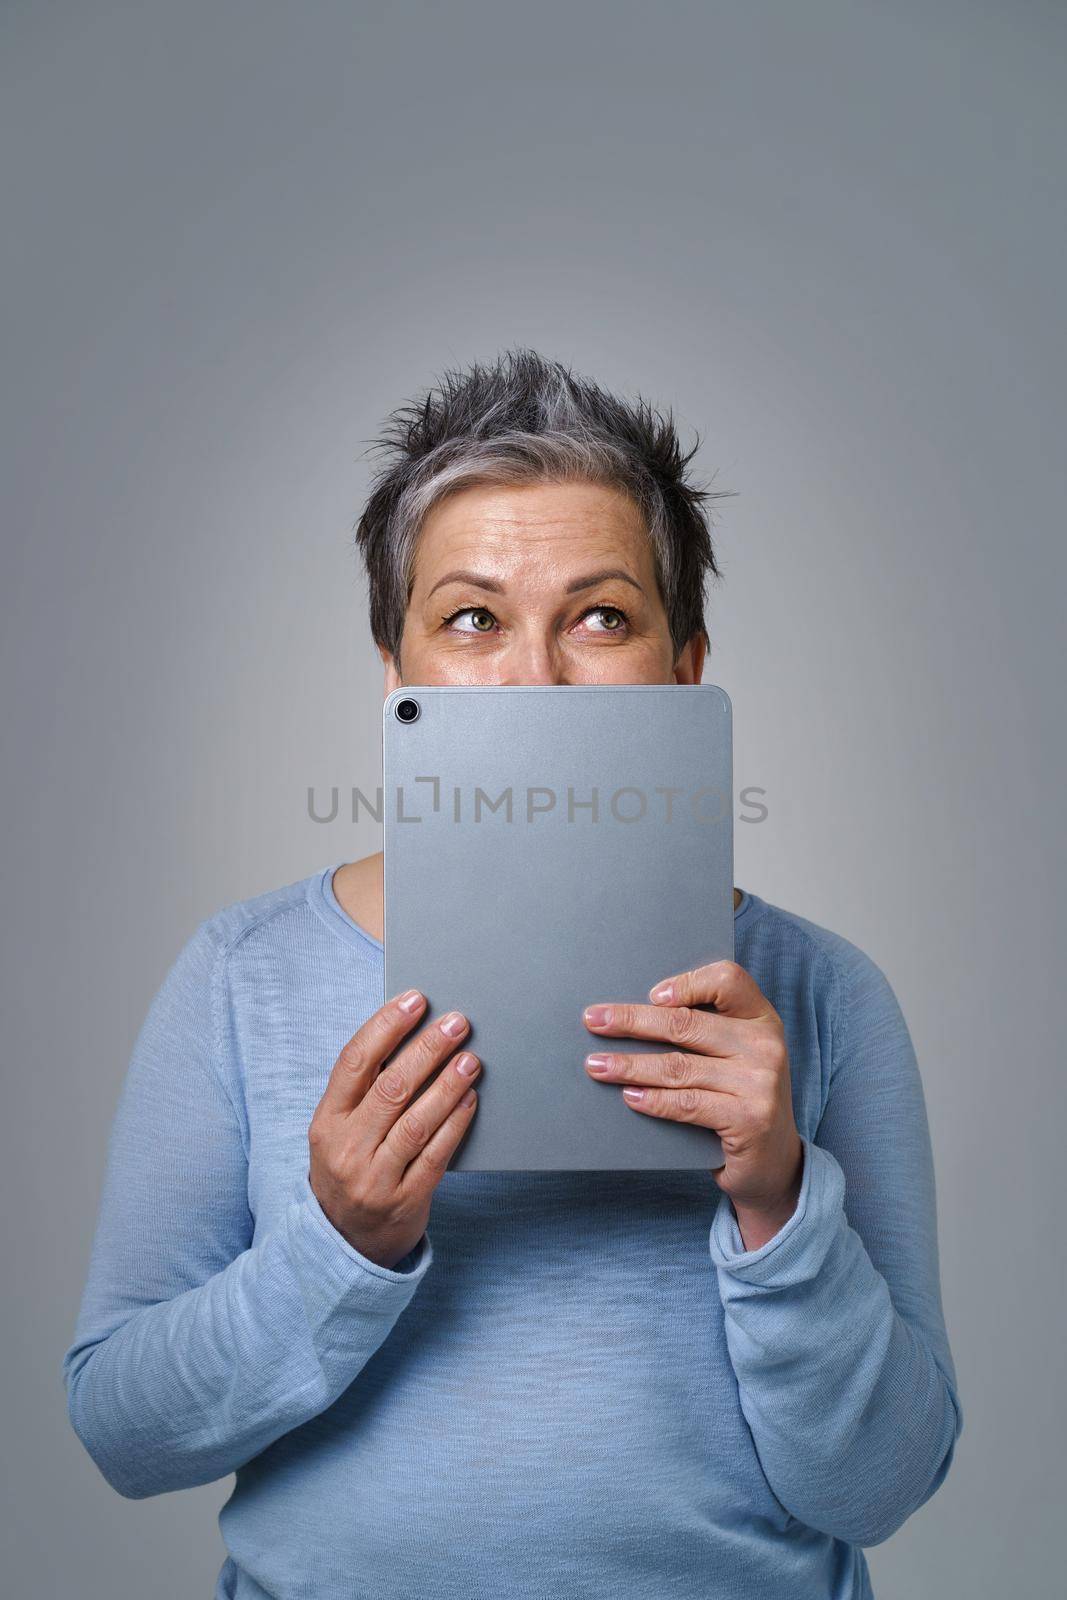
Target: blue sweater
(576, 1384)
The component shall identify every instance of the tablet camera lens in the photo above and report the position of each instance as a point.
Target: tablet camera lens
(407, 710)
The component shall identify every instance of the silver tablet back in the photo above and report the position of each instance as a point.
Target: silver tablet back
(547, 847)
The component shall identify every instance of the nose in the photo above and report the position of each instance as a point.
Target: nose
(532, 679)
(535, 665)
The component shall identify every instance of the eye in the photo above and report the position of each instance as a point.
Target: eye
(612, 611)
(475, 611)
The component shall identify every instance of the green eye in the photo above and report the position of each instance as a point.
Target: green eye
(618, 624)
(473, 611)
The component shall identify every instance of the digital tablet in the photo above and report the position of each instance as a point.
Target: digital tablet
(547, 847)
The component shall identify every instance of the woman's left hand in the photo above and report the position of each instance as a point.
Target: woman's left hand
(727, 1070)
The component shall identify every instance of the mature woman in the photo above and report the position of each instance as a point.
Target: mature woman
(587, 1384)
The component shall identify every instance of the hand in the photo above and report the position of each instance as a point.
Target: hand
(375, 1165)
(728, 1070)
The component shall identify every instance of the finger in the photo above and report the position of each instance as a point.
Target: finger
(412, 1132)
(702, 1107)
(676, 1069)
(690, 1029)
(360, 1059)
(725, 985)
(394, 1088)
(426, 1170)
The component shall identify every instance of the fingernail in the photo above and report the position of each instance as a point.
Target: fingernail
(599, 1016)
(662, 991)
(598, 1063)
(410, 1001)
(467, 1064)
(453, 1024)
(634, 1094)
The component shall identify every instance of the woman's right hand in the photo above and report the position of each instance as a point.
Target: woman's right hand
(374, 1165)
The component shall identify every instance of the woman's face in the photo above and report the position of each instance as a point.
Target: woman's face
(557, 586)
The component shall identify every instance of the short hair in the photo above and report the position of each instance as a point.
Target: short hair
(525, 419)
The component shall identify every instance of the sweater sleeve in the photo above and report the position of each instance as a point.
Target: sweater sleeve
(835, 1326)
(195, 1348)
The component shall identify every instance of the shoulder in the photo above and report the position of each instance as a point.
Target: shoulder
(235, 956)
(840, 978)
(268, 918)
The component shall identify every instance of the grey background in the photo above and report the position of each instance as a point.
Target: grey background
(831, 237)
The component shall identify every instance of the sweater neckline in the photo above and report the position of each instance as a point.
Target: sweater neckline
(329, 909)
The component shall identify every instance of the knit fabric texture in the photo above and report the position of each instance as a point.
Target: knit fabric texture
(576, 1384)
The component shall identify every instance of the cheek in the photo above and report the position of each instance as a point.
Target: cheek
(630, 666)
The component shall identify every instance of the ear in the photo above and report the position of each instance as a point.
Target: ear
(689, 666)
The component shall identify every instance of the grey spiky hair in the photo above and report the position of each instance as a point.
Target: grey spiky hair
(523, 419)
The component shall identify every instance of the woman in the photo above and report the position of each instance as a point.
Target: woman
(583, 1384)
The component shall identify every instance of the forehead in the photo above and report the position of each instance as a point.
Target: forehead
(513, 521)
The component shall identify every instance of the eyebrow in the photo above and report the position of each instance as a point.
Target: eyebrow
(482, 581)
